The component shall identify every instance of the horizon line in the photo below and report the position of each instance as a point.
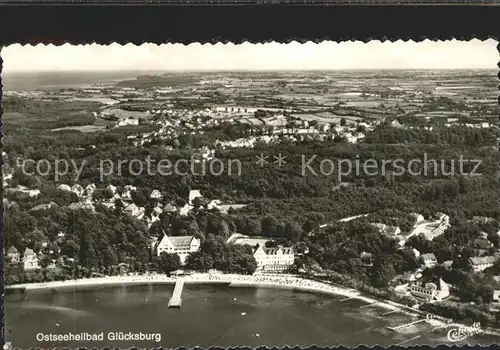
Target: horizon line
(242, 70)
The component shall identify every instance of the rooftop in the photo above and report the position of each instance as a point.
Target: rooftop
(181, 242)
(428, 256)
(481, 260)
(274, 251)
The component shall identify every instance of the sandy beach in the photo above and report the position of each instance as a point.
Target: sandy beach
(234, 280)
(96, 281)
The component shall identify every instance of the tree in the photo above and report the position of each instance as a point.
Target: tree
(45, 261)
(270, 226)
(343, 122)
(383, 273)
(139, 198)
(169, 262)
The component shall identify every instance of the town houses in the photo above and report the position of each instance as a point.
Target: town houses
(28, 260)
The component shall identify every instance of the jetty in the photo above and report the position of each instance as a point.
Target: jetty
(345, 299)
(390, 312)
(176, 300)
(403, 327)
(407, 340)
(370, 304)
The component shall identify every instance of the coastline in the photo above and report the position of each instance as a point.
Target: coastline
(233, 280)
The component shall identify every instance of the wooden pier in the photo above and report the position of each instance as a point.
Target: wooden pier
(345, 299)
(407, 340)
(176, 300)
(368, 305)
(403, 327)
(390, 312)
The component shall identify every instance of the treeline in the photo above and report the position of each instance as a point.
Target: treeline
(454, 135)
(357, 249)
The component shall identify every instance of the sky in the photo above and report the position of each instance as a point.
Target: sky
(474, 54)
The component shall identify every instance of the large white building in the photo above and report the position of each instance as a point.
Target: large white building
(277, 259)
(430, 291)
(30, 260)
(479, 264)
(180, 245)
(252, 241)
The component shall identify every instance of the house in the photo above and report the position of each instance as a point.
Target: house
(133, 210)
(224, 208)
(77, 189)
(13, 254)
(30, 260)
(366, 258)
(23, 189)
(82, 206)
(43, 206)
(483, 235)
(111, 189)
(240, 239)
(482, 219)
(213, 204)
(155, 194)
(180, 245)
(479, 264)
(128, 121)
(169, 208)
(418, 217)
(396, 124)
(392, 230)
(408, 277)
(416, 253)
(278, 259)
(157, 211)
(388, 230)
(430, 291)
(185, 209)
(126, 195)
(193, 194)
(429, 260)
(496, 295)
(89, 190)
(432, 229)
(64, 187)
(442, 217)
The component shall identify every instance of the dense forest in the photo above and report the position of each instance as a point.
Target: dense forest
(282, 202)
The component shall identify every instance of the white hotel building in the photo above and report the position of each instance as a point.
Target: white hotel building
(180, 245)
(277, 259)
